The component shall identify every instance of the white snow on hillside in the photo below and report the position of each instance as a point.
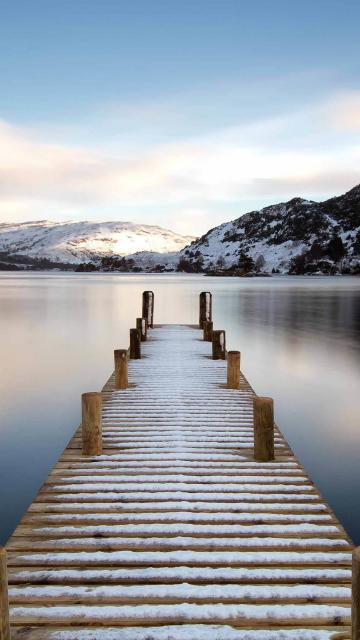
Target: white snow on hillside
(296, 236)
(277, 235)
(78, 242)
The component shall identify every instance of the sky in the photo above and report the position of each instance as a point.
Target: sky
(178, 113)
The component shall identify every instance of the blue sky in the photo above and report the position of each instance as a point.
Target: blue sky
(178, 113)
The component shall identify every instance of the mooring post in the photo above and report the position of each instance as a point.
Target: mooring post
(205, 308)
(263, 429)
(148, 307)
(218, 345)
(135, 348)
(355, 605)
(233, 369)
(4, 598)
(91, 403)
(141, 327)
(208, 330)
(121, 368)
(144, 328)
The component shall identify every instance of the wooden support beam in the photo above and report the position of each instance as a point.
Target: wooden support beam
(148, 307)
(121, 368)
(135, 345)
(4, 598)
(205, 308)
(233, 369)
(218, 345)
(263, 429)
(91, 423)
(355, 607)
(141, 327)
(208, 330)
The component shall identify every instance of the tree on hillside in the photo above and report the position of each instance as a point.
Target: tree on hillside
(357, 244)
(297, 265)
(184, 265)
(86, 266)
(245, 262)
(316, 252)
(190, 266)
(336, 249)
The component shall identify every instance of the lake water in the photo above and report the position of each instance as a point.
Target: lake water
(299, 339)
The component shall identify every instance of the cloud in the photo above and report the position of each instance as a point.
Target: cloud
(194, 180)
(345, 112)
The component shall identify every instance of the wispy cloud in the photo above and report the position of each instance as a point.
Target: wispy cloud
(191, 183)
(345, 112)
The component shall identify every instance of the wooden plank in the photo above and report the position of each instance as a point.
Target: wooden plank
(237, 615)
(179, 632)
(176, 594)
(173, 575)
(129, 558)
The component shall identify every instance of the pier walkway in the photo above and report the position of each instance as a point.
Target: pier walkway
(174, 532)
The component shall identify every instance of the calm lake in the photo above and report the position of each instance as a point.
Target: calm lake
(299, 339)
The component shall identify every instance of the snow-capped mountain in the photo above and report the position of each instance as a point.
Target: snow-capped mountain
(77, 242)
(295, 236)
(298, 236)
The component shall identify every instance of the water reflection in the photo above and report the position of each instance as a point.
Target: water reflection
(299, 339)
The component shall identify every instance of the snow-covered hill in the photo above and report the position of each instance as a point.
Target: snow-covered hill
(77, 242)
(296, 236)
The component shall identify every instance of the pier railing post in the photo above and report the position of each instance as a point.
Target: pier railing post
(218, 345)
(355, 606)
(263, 429)
(135, 345)
(141, 327)
(91, 423)
(233, 369)
(4, 598)
(208, 330)
(121, 368)
(148, 307)
(205, 308)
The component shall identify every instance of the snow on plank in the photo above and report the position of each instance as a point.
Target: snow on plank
(178, 632)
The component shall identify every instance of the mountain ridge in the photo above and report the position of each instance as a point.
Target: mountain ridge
(78, 241)
(296, 236)
(280, 237)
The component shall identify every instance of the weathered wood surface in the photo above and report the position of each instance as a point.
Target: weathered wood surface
(4, 600)
(121, 380)
(175, 532)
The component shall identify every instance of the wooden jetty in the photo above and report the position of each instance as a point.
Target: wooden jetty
(178, 512)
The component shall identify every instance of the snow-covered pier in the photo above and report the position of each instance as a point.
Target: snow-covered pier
(175, 531)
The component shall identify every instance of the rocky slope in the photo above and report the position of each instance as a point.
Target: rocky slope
(299, 236)
(77, 242)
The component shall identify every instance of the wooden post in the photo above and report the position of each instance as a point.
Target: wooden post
(263, 429)
(141, 327)
(233, 369)
(91, 423)
(218, 345)
(148, 307)
(208, 330)
(205, 308)
(121, 368)
(355, 607)
(135, 348)
(4, 598)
